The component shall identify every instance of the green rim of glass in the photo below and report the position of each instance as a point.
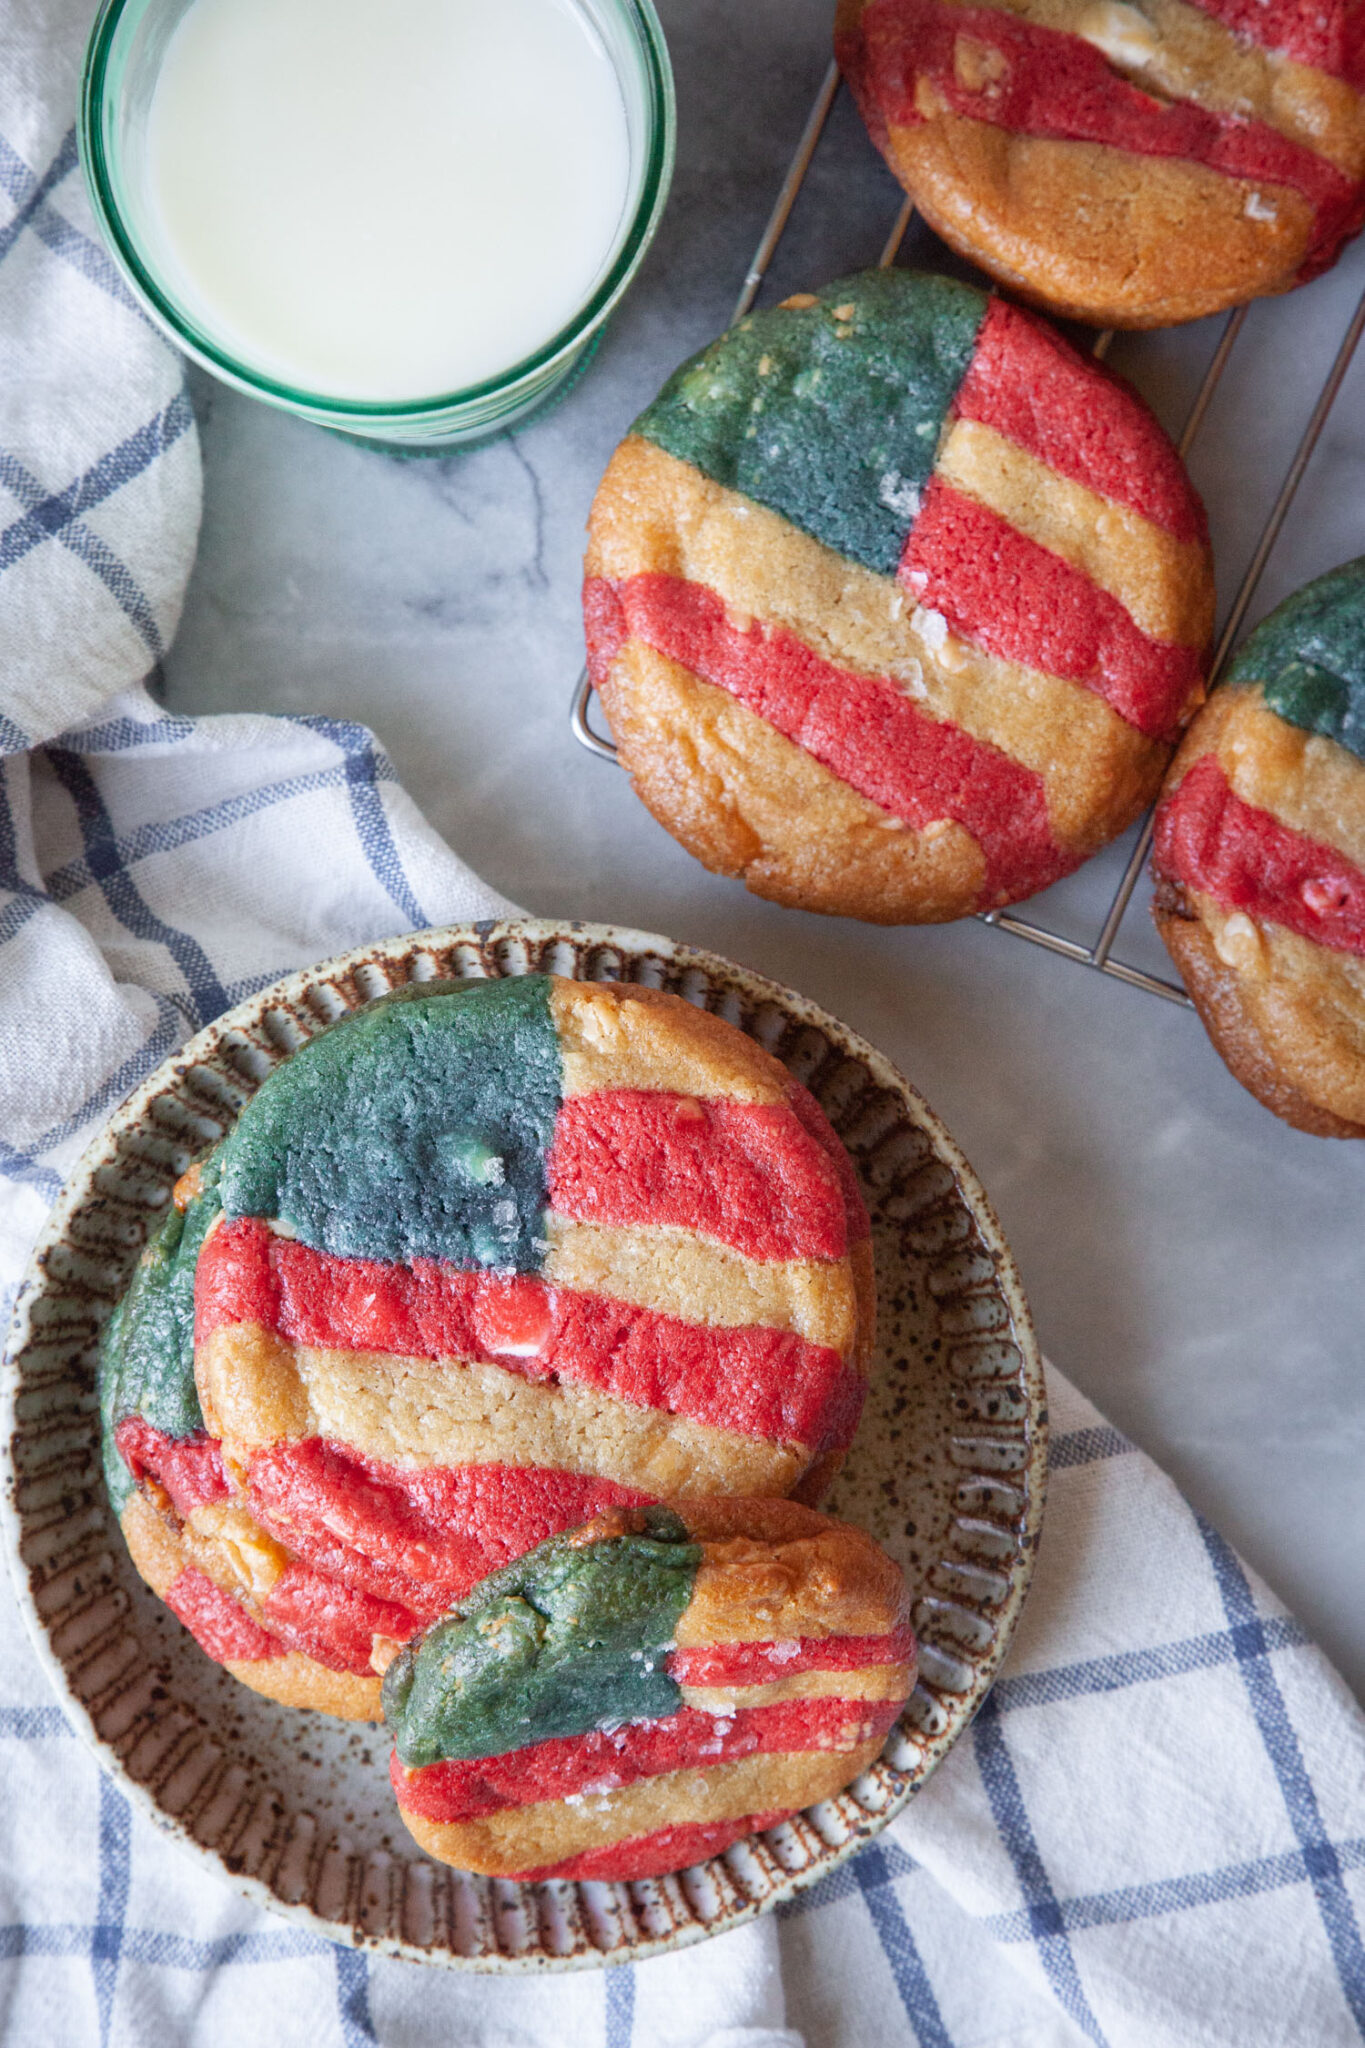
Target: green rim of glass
(658, 78)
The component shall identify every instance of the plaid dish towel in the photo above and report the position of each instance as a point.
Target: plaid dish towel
(1154, 1834)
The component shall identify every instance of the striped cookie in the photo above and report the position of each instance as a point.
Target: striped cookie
(632, 1697)
(895, 603)
(1132, 165)
(473, 1265)
(1260, 859)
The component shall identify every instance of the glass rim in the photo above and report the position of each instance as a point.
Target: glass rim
(657, 73)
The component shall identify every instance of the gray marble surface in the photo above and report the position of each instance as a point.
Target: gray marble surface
(1193, 1266)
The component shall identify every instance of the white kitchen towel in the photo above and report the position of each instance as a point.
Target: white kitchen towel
(99, 464)
(1153, 1836)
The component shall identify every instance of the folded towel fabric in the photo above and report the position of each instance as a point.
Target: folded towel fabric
(1154, 1834)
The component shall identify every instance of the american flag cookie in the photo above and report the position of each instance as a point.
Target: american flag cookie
(896, 603)
(474, 1264)
(630, 1698)
(1128, 164)
(1259, 859)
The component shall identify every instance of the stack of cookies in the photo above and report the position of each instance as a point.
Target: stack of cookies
(484, 1264)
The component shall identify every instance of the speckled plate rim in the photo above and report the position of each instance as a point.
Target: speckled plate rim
(486, 936)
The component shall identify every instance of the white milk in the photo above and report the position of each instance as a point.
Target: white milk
(385, 199)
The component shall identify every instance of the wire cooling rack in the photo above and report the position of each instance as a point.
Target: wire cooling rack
(1099, 954)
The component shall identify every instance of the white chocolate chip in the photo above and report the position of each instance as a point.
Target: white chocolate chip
(936, 828)
(1122, 34)
(1238, 945)
(1259, 208)
(1322, 896)
(899, 495)
(932, 628)
(978, 66)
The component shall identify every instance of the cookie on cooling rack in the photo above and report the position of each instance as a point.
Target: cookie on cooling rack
(896, 603)
(1259, 859)
(472, 1265)
(1131, 165)
(630, 1698)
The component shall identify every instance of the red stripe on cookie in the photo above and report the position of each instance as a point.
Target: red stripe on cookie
(604, 626)
(864, 729)
(827, 1138)
(333, 1624)
(219, 1624)
(1045, 82)
(655, 1855)
(748, 1174)
(422, 1539)
(760, 1663)
(759, 1382)
(1325, 34)
(568, 1765)
(190, 1468)
(1027, 384)
(1247, 860)
(1019, 601)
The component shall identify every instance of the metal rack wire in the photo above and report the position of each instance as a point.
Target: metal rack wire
(1099, 954)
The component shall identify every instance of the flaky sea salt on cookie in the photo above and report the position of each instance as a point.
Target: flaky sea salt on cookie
(895, 603)
(1259, 859)
(632, 1697)
(472, 1265)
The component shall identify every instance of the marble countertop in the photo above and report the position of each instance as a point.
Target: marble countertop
(1193, 1265)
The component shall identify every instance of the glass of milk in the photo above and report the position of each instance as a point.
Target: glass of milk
(404, 219)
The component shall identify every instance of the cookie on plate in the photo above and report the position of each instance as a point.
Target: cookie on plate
(632, 1697)
(1132, 165)
(1259, 859)
(475, 1263)
(895, 603)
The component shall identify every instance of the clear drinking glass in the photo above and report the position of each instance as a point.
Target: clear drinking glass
(127, 46)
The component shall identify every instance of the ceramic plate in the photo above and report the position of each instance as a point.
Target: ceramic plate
(294, 1809)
